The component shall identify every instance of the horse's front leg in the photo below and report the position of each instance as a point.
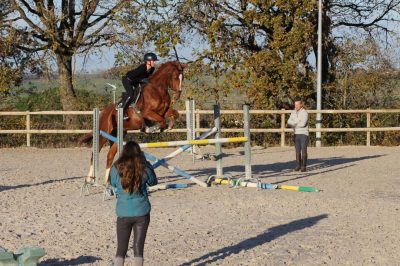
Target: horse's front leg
(172, 115)
(153, 116)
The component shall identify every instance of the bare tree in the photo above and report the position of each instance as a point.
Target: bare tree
(65, 28)
(371, 17)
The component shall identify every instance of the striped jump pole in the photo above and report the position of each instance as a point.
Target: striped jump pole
(191, 142)
(244, 183)
(184, 148)
(152, 158)
(184, 142)
(176, 170)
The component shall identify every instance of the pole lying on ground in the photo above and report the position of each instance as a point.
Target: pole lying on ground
(244, 183)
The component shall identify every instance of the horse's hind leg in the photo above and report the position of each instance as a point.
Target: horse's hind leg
(172, 115)
(110, 159)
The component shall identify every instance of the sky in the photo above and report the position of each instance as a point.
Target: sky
(94, 63)
(105, 59)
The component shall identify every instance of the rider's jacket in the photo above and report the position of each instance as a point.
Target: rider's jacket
(138, 74)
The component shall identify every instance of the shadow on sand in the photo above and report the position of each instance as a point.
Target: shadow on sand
(315, 167)
(4, 188)
(78, 261)
(261, 239)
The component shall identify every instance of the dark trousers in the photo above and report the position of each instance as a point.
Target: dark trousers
(125, 226)
(301, 143)
(128, 86)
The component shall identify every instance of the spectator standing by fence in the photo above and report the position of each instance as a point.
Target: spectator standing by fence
(298, 120)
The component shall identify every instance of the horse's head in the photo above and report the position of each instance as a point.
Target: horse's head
(176, 79)
(171, 74)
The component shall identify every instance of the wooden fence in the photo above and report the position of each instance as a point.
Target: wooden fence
(282, 130)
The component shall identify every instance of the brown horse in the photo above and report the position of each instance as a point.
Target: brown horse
(150, 114)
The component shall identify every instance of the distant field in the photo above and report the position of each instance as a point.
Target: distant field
(88, 83)
(99, 85)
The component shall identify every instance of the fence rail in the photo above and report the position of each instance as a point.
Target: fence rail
(282, 129)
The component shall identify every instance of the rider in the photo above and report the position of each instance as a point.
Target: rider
(133, 79)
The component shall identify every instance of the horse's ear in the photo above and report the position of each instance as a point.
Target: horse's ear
(183, 65)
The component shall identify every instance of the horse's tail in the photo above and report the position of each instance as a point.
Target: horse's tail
(86, 139)
(105, 119)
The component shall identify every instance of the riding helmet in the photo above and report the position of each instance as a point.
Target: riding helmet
(150, 57)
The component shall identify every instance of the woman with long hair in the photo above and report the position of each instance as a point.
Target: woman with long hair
(130, 175)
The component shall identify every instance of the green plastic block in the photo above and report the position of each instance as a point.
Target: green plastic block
(30, 256)
(7, 259)
(308, 189)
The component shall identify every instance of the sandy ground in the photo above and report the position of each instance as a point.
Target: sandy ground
(354, 220)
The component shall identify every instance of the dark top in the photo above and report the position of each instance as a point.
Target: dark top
(133, 204)
(138, 74)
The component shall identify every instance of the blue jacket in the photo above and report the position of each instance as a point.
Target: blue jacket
(133, 204)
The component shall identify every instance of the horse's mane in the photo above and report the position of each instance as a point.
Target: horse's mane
(164, 68)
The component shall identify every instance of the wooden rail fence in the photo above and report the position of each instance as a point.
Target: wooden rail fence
(282, 130)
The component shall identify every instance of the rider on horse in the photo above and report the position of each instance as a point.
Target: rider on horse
(133, 79)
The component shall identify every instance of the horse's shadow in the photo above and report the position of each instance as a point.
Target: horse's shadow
(4, 188)
(315, 167)
(261, 239)
(77, 261)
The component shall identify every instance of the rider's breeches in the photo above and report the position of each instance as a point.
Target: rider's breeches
(125, 226)
(128, 86)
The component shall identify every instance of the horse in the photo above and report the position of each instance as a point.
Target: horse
(152, 110)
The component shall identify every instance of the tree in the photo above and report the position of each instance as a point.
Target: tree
(258, 47)
(344, 19)
(9, 72)
(65, 28)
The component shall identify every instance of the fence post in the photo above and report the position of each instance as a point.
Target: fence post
(283, 125)
(368, 126)
(28, 127)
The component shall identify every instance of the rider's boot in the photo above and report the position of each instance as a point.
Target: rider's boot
(125, 106)
(136, 94)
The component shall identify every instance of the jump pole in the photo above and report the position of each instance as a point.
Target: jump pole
(150, 157)
(185, 147)
(244, 183)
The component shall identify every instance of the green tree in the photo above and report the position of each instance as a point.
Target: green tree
(258, 47)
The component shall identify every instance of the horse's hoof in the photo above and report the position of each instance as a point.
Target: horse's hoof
(109, 192)
(153, 129)
(90, 180)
